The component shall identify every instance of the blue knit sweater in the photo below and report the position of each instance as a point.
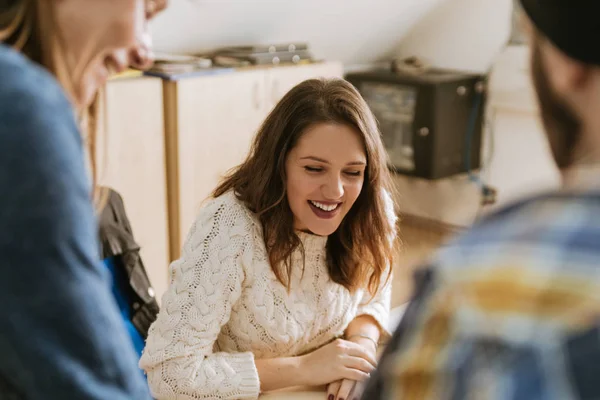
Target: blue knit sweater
(61, 336)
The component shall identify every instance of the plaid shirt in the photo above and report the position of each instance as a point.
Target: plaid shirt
(511, 311)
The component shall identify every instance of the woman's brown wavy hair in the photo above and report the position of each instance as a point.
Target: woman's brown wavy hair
(360, 251)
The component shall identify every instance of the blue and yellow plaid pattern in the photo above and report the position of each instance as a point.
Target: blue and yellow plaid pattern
(511, 311)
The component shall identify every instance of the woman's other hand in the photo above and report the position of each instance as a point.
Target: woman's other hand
(336, 361)
(348, 389)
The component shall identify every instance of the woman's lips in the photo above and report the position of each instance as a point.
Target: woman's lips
(325, 214)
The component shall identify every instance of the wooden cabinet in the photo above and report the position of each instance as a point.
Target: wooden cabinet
(213, 120)
(210, 122)
(281, 80)
(131, 159)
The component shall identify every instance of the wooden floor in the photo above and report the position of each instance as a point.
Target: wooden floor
(419, 240)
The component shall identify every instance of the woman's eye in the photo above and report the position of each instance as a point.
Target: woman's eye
(313, 169)
(354, 173)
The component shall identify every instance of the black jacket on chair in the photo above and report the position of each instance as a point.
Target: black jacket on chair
(116, 240)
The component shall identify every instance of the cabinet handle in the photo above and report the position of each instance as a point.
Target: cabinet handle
(256, 95)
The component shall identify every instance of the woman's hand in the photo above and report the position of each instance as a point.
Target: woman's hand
(340, 359)
(343, 389)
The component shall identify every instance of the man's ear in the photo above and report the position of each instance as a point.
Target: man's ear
(527, 27)
(565, 74)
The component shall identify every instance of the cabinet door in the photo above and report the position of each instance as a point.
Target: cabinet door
(282, 79)
(217, 119)
(132, 161)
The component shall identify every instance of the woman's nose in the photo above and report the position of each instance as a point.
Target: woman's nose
(141, 56)
(333, 188)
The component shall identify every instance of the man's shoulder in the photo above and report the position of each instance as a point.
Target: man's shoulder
(554, 222)
(528, 270)
(538, 246)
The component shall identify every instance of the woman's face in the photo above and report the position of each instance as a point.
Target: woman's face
(325, 174)
(102, 37)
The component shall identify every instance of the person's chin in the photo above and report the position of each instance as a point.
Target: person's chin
(90, 87)
(85, 95)
(322, 229)
(87, 98)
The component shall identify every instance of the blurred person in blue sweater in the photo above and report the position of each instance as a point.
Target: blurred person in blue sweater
(61, 336)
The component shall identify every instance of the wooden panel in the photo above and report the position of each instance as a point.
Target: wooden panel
(217, 119)
(132, 161)
(172, 163)
(454, 201)
(420, 239)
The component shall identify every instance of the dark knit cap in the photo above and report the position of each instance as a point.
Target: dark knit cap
(571, 25)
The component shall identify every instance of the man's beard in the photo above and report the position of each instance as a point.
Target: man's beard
(563, 127)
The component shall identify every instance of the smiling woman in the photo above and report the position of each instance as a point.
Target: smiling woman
(325, 175)
(62, 337)
(284, 277)
(81, 44)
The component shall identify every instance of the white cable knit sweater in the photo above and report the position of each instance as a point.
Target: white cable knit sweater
(224, 308)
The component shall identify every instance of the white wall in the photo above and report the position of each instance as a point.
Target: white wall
(521, 162)
(351, 31)
(461, 34)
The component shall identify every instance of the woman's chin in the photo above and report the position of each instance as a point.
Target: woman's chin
(88, 90)
(87, 99)
(85, 96)
(321, 230)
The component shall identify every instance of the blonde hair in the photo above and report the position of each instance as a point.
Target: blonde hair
(28, 26)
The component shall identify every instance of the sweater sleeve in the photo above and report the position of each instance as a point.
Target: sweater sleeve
(180, 357)
(378, 306)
